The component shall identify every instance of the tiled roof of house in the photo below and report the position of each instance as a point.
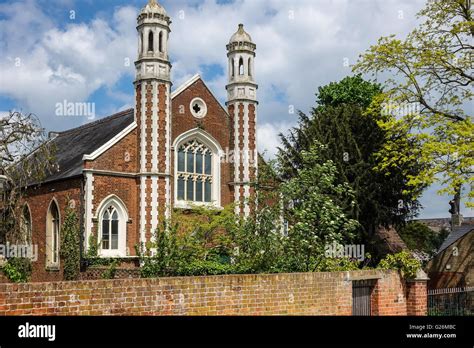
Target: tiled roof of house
(455, 235)
(390, 241)
(70, 146)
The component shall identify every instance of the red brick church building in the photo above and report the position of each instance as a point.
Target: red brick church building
(125, 173)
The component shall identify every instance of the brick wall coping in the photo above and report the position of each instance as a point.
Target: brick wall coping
(343, 275)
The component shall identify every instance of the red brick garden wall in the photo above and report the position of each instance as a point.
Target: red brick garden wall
(262, 294)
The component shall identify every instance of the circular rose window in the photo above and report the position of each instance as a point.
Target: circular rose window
(198, 108)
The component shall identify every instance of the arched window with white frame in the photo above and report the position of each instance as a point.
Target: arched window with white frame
(53, 223)
(112, 223)
(197, 170)
(26, 226)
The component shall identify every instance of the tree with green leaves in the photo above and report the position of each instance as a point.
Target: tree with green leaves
(421, 238)
(347, 124)
(315, 218)
(431, 94)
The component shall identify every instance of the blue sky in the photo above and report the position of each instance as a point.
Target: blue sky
(77, 50)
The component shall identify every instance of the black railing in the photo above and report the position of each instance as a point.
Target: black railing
(451, 301)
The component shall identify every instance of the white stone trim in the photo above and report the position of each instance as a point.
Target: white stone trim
(123, 219)
(89, 198)
(142, 209)
(185, 85)
(217, 151)
(236, 159)
(123, 133)
(49, 237)
(155, 126)
(168, 153)
(154, 155)
(246, 161)
(246, 153)
(203, 104)
(154, 204)
(143, 128)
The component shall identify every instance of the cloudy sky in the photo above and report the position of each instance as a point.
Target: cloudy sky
(83, 51)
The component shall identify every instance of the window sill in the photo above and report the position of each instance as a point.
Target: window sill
(194, 205)
(115, 256)
(52, 268)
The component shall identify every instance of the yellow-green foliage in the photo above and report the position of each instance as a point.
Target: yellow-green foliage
(432, 69)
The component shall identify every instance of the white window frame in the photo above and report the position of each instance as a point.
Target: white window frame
(50, 264)
(26, 228)
(212, 144)
(122, 212)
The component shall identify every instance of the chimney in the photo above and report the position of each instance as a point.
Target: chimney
(456, 216)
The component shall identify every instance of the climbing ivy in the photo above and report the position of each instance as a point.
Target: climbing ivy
(70, 243)
(17, 269)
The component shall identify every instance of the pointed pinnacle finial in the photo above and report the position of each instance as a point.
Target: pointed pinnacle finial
(152, 2)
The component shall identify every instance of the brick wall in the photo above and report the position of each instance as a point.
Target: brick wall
(263, 294)
(39, 200)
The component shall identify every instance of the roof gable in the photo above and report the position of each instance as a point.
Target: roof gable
(193, 80)
(456, 235)
(70, 146)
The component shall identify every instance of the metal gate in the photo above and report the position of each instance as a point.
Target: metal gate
(361, 290)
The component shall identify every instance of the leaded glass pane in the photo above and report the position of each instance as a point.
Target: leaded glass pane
(190, 162)
(207, 190)
(105, 234)
(114, 234)
(181, 158)
(199, 162)
(190, 190)
(199, 190)
(180, 188)
(208, 164)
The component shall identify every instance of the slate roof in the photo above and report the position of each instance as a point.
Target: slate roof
(71, 145)
(455, 235)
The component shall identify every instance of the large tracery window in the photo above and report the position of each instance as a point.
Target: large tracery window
(194, 172)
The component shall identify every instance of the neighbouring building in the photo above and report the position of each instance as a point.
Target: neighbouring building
(453, 265)
(125, 173)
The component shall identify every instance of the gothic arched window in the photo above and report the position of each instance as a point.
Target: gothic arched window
(150, 41)
(194, 172)
(241, 66)
(52, 235)
(233, 67)
(250, 67)
(110, 229)
(113, 219)
(26, 228)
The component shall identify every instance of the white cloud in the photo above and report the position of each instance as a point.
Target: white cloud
(300, 45)
(44, 65)
(268, 137)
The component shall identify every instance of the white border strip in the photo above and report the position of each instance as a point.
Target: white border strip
(110, 143)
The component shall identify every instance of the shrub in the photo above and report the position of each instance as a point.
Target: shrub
(403, 261)
(17, 269)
